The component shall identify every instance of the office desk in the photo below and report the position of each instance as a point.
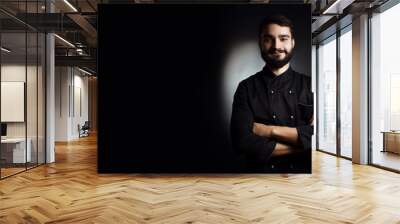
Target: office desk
(13, 150)
(391, 141)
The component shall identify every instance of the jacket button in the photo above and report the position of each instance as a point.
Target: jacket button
(274, 116)
(272, 91)
(291, 116)
(290, 91)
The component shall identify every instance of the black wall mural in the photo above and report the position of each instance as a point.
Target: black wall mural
(167, 76)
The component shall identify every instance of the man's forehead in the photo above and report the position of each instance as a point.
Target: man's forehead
(275, 29)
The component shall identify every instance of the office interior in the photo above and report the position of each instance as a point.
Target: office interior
(356, 84)
(49, 79)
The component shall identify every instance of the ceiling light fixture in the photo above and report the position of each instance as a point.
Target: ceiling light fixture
(331, 7)
(64, 40)
(86, 72)
(5, 49)
(70, 5)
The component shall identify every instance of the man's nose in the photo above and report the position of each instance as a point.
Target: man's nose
(276, 43)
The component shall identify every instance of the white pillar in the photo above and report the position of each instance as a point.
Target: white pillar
(50, 92)
(360, 90)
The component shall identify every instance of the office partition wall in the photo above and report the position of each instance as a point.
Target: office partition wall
(22, 77)
(13, 78)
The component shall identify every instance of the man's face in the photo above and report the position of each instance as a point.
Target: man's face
(277, 45)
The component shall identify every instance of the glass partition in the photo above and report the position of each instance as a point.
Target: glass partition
(14, 151)
(327, 95)
(22, 88)
(31, 100)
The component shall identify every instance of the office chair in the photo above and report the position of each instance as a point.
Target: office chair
(84, 130)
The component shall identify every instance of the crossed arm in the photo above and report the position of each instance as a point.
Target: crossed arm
(259, 140)
(287, 137)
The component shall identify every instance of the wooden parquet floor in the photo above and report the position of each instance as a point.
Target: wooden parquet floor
(71, 191)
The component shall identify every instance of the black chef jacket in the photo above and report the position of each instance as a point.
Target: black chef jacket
(284, 100)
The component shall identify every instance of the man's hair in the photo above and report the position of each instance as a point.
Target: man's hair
(280, 20)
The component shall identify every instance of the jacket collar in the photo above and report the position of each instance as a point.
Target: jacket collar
(269, 75)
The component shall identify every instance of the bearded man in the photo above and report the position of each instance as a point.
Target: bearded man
(272, 111)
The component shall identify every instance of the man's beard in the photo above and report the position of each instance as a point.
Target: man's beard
(276, 63)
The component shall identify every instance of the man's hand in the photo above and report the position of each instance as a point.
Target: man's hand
(312, 120)
(282, 149)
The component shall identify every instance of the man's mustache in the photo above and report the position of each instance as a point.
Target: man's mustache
(273, 51)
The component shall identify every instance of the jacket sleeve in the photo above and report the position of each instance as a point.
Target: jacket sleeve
(305, 133)
(242, 135)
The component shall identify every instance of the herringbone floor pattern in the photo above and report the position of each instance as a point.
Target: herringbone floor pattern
(71, 191)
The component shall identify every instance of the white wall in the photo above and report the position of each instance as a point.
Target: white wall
(71, 94)
(62, 80)
(80, 102)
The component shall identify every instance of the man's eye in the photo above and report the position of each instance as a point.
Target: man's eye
(284, 39)
(267, 40)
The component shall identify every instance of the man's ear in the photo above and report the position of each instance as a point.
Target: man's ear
(293, 42)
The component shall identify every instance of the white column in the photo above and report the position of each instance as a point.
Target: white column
(50, 93)
(360, 90)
